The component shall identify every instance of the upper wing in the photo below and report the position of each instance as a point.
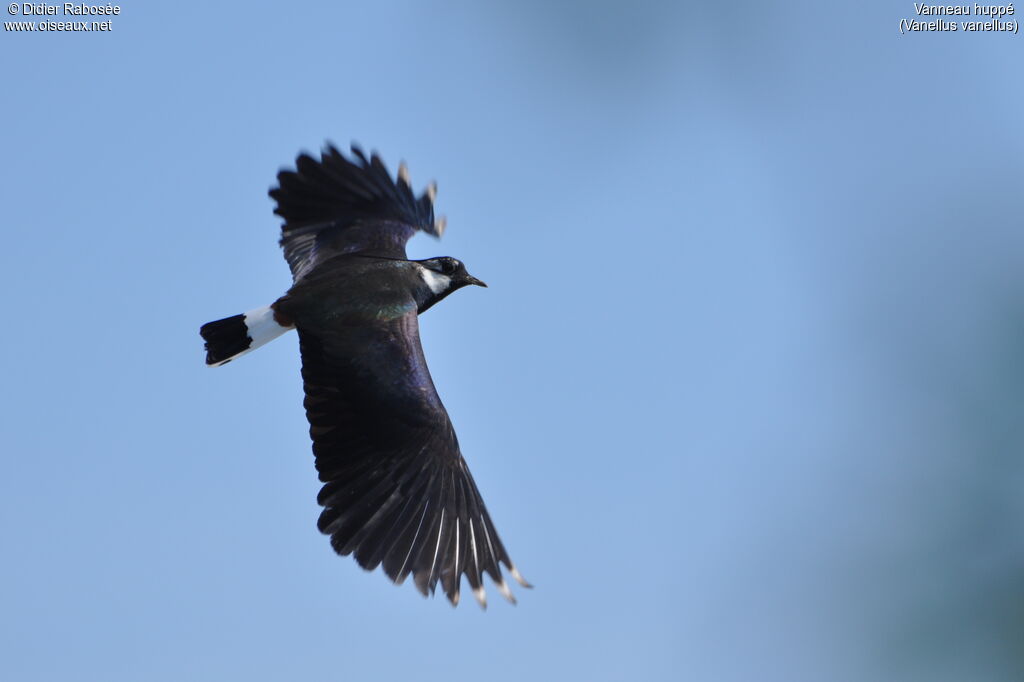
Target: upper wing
(334, 206)
(397, 491)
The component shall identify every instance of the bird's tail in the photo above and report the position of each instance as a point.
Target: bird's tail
(237, 335)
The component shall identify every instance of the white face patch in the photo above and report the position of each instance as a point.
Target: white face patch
(435, 280)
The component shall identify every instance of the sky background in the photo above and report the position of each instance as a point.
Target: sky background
(744, 396)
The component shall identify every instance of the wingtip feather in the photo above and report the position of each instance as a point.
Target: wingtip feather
(481, 597)
(506, 592)
(519, 577)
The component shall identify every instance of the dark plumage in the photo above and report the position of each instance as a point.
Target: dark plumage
(397, 492)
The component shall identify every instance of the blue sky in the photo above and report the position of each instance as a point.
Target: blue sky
(743, 396)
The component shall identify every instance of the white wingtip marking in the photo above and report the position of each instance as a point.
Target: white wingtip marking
(518, 576)
(439, 225)
(403, 173)
(481, 597)
(505, 592)
(432, 190)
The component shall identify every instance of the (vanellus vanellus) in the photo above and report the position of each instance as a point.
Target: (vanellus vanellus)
(397, 492)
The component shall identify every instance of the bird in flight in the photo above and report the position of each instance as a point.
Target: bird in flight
(396, 491)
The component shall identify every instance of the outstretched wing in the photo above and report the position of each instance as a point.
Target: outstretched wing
(397, 492)
(336, 205)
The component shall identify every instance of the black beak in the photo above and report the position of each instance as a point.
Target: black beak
(470, 279)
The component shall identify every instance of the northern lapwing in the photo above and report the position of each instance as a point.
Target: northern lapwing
(397, 492)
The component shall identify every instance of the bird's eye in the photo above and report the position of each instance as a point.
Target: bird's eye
(447, 267)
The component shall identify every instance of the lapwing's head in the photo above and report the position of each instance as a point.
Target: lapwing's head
(442, 276)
